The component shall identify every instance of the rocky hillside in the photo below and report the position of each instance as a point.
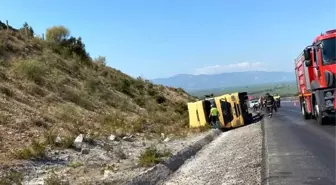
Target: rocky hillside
(51, 91)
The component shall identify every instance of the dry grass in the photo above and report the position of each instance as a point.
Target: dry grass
(10, 177)
(55, 179)
(35, 150)
(46, 92)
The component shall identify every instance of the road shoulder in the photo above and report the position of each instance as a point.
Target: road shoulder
(235, 157)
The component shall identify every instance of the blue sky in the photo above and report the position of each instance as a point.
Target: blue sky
(161, 38)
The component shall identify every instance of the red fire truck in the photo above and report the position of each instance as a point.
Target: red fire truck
(315, 70)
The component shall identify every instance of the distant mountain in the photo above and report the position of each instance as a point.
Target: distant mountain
(199, 82)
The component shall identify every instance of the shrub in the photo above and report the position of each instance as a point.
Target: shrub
(160, 99)
(35, 150)
(141, 101)
(93, 85)
(100, 61)
(6, 91)
(152, 92)
(77, 97)
(181, 107)
(33, 70)
(126, 87)
(152, 156)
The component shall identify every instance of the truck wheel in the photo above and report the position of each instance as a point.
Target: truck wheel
(304, 111)
(320, 120)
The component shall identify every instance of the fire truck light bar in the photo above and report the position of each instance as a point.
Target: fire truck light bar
(331, 31)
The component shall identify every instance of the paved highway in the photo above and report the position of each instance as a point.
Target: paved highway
(298, 151)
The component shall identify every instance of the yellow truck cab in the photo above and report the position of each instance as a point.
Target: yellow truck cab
(232, 108)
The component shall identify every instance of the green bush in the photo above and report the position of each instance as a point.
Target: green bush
(33, 70)
(78, 97)
(126, 87)
(152, 156)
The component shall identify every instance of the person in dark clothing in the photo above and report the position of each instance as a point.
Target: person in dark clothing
(269, 104)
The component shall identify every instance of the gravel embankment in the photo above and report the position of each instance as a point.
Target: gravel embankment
(121, 158)
(235, 157)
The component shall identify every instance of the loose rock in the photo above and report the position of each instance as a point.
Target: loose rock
(166, 140)
(128, 138)
(112, 137)
(79, 141)
(119, 158)
(58, 140)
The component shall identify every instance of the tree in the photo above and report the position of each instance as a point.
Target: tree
(31, 31)
(75, 46)
(27, 30)
(57, 33)
(25, 25)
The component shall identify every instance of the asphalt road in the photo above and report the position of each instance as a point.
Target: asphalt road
(298, 151)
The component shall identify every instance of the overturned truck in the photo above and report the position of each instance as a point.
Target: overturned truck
(232, 108)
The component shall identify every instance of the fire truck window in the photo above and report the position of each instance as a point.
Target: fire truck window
(328, 51)
(315, 56)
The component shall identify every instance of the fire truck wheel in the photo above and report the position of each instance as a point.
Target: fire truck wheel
(304, 111)
(320, 120)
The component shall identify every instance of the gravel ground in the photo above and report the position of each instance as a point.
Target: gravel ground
(121, 158)
(235, 157)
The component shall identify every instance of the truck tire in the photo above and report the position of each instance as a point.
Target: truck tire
(304, 112)
(320, 120)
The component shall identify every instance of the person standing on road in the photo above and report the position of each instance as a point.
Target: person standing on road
(269, 104)
(261, 102)
(214, 115)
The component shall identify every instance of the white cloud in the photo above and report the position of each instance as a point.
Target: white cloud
(237, 67)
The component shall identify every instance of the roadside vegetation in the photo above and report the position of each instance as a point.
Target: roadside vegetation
(152, 156)
(50, 87)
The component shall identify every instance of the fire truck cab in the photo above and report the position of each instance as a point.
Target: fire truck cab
(316, 78)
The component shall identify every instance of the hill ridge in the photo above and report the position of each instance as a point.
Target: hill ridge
(191, 82)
